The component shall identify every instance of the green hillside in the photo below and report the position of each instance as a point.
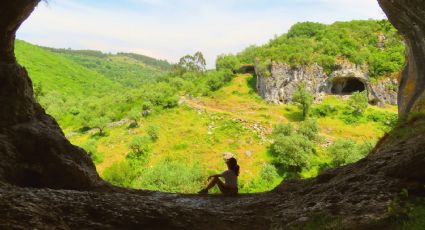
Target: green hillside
(58, 74)
(147, 124)
(375, 44)
(130, 70)
(78, 86)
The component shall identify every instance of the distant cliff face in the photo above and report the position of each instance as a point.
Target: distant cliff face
(347, 79)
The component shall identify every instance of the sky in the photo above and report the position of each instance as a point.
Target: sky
(170, 29)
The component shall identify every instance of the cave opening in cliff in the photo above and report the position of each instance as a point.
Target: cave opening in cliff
(347, 86)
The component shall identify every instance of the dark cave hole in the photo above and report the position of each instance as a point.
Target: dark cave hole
(347, 86)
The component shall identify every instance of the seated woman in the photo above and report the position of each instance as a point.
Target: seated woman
(230, 185)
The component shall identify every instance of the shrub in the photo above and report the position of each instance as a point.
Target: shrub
(134, 116)
(139, 146)
(293, 153)
(268, 173)
(283, 129)
(309, 129)
(171, 175)
(324, 110)
(358, 102)
(153, 132)
(91, 148)
(348, 151)
(227, 62)
(120, 174)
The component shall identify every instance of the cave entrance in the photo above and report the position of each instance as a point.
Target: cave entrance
(347, 86)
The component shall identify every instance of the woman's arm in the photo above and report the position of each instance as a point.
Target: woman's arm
(216, 175)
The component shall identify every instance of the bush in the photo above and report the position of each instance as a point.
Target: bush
(134, 115)
(283, 129)
(348, 151)
(227, 62)
(293, 153)
(268, 173)
(120, 174)
(91, 148)
(309, 129)
(324, 110)
(172, 176)
(139, 146)
(153, 132)
(358, 102)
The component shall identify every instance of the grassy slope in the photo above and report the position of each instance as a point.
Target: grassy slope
(57, 73)
(233, 111)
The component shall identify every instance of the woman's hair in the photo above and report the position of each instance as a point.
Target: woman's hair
(233, 165)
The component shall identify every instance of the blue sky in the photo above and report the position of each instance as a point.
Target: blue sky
(169, 29)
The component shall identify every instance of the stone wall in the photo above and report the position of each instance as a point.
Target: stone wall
(284, 79)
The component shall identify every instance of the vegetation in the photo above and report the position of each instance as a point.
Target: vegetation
(373, 43)
(185, 116)
(304, 98)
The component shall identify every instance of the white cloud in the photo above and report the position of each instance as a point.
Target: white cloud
(170, 29)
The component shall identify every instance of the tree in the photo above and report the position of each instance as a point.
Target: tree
(358, 102)
(139, 146)
(227, 62)
(348, 151)
(304, 98)
(293, 152)
(100, 123)
(191, 63)
(134, 116)
(309, 129)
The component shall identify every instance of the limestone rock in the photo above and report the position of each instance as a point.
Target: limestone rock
(284, 79)
(346, 79)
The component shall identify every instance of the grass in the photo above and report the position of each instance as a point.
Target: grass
(202, 129)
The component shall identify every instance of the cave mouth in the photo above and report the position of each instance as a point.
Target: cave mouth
(347, 86)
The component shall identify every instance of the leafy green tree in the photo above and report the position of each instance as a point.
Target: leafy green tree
(134, 115)
(304, 98)
(191, 63)
(358, 102)
(309, 129)
(348, 151)
(283, 129)
(307, 29)
(227, 62)
(100, 123)
(139, 146)
(268, 173)
(153, 132)
(293, 153)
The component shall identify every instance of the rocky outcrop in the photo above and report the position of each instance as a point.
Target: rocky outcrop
(346, 79)
(409, 18)
(284, 79)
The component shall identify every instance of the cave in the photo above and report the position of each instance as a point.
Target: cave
(347, 86)
(64, 190)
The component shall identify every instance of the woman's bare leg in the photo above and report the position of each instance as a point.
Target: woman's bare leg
(216, 181)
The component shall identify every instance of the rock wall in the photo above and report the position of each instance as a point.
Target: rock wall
(284, 79)
(408, 16)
